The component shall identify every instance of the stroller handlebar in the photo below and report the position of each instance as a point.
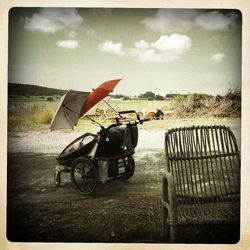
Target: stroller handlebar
(127, 123)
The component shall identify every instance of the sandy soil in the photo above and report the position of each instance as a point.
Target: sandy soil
(54, 142)
(151, 135)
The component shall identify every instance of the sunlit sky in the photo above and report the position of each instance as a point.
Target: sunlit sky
(159, 50)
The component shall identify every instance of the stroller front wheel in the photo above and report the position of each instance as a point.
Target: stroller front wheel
(84, 176)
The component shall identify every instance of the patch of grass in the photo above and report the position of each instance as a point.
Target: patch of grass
(29, 113)
(42, 117)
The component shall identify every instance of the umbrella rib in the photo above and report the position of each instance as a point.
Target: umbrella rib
(68, 119)
(70, 109)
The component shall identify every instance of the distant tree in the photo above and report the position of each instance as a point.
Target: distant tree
(126, 98)
(170, 96)
(120, 96)
(159, 97)
(148, 95)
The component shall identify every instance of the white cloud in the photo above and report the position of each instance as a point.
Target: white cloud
(215, 20)
(218, 57)
(144, 55)
(165, 49)
(51, 20)
(169, 20)
(113, 48)
(67, 44)
(183, 20)
(141, 44)
(176, 44)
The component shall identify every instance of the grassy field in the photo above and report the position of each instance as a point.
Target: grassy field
(30, 113)
(35, 113)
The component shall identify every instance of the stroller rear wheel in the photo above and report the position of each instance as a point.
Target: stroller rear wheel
(84, 176)
(129, 165)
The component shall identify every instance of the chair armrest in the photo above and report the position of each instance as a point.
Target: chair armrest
(169, 196)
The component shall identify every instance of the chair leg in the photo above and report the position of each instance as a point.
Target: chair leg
(172, 231)
(169, 206)
(164, 223)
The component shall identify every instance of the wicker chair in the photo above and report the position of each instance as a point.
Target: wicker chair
(202, 183)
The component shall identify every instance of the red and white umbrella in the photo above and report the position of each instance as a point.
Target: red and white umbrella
(74, 104)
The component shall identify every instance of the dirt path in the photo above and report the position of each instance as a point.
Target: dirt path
(54, 142)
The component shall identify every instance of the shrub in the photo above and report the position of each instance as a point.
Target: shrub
(159, 97)
(195, 105)
(178, 99)
(50, 99)
(42, 117)
(125, 98)
(148, 95)
(233, 94)
(195, 97)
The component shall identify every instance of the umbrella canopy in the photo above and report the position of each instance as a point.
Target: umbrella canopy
(69, 109)
(98, 94)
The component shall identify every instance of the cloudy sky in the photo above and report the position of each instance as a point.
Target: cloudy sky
(159, 50)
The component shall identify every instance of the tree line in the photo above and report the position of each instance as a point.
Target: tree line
(149, 95)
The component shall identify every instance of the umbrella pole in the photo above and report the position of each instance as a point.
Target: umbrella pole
(111, 107)
(94, 121)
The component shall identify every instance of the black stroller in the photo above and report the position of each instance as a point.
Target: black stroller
(93, 158)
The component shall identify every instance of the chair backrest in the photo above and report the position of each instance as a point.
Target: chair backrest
(205, 163)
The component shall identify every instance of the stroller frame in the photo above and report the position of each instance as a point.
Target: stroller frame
(99, 157)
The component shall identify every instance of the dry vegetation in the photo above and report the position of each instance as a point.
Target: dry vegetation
(29, 113)
(196, 105)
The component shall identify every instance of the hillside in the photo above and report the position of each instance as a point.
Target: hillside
(26, 89)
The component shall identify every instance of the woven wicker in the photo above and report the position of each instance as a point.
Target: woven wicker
(202, 183)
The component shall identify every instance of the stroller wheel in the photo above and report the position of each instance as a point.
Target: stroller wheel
(84, 176)
(57, 175)
(57, 178)
(129, 165)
